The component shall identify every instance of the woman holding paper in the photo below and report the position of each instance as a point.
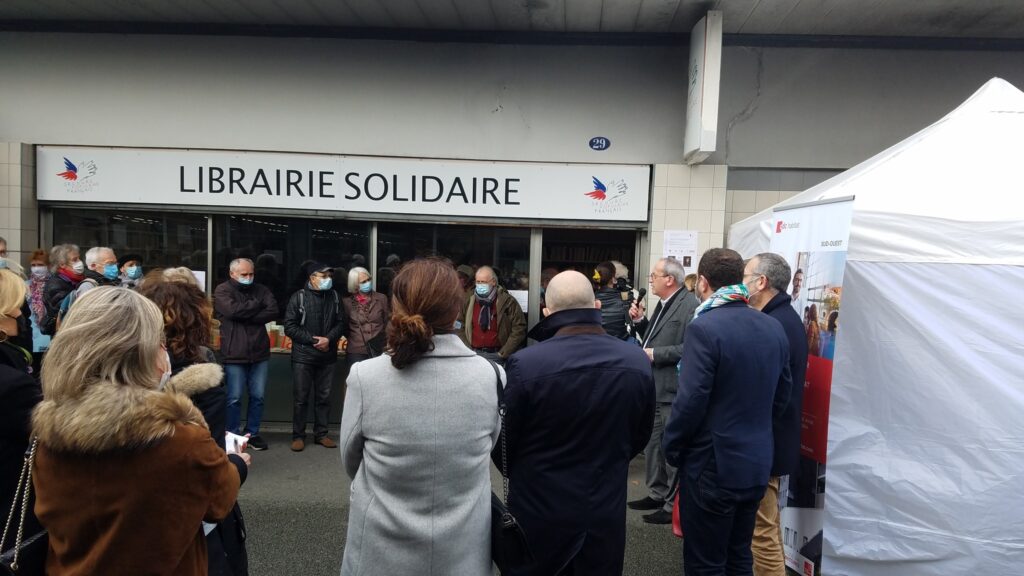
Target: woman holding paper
(188, 315)
(125, 472)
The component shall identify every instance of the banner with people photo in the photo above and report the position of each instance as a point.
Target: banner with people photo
(813, 239)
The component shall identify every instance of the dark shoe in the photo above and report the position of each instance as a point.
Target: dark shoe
(257, 443)
(326, 442)
(645, 503)
(298, 445)
(659, 517)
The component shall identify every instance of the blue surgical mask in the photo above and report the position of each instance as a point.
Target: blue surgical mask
(483, 290)
(110, 271)
(245, 281)
(134, 272)
(325, 283)
(365, 287)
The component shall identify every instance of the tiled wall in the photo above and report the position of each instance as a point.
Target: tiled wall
(753, 190)
(687, 198)
(742, 204)
(19, 211)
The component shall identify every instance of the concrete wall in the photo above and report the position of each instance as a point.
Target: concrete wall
(833, 108)
(387, 98)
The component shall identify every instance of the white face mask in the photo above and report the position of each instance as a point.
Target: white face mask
(78, 267)
(166, 375)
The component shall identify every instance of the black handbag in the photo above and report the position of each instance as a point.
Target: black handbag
(509, 547)
(28, 555)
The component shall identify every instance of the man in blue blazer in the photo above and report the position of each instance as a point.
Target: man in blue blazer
(766, 277)
(579, 407)
(735, 360)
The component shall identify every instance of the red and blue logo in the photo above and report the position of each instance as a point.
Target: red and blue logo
(600, 191)
(72, 172)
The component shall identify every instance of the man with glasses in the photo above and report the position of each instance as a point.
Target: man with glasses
(662, 340)
(766, 277)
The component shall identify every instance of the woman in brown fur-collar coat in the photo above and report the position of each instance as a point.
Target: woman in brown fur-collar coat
(125, 471)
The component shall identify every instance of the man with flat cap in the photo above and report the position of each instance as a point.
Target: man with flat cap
(315, 321)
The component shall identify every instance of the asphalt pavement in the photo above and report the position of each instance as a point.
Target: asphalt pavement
(296, 511)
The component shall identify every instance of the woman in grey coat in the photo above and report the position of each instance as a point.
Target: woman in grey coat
(417, 431)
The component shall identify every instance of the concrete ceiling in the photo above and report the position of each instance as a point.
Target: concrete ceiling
(997, 19)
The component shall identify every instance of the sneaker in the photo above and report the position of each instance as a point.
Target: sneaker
(326, 442)
(659, 517)
(257, 443)
(298, 445)
(645, 503)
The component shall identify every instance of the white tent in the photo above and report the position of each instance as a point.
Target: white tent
(926, 428)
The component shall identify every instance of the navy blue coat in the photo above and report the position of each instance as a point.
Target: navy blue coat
(735, 359)
(580, 406)
(787, 427)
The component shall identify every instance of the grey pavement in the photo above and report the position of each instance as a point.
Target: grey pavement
(296, 512)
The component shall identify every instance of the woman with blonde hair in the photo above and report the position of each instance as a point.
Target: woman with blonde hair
(416, 436)
(125, 471)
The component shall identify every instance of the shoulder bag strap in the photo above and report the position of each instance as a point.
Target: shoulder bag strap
(502, 437)
(21, 496)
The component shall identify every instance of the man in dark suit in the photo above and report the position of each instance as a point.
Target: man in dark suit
(579, 407)
(766, 277)
(735, 379)
(662, 338)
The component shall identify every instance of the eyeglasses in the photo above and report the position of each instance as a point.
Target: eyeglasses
(745, 276)
(652, 276)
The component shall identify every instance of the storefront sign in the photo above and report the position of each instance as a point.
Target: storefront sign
(255, 180)
(704, 77)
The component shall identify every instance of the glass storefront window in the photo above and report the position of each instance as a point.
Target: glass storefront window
(279, 247)
(162, 239)
(582, 250)
(505, 249)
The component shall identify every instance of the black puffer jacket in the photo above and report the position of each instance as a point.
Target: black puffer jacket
(314, 313)
(243, 312)
(614, 312)
(57, 287)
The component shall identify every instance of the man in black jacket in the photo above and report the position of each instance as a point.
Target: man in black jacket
(767, 277)
(580, 406)
(243, 309)
(314, 320)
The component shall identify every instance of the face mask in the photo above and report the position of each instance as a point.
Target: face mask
(39, 271)
(366, 287)
(134, 272)
(245, 281)
(3, 263)
(110, 271)
(78, 267)
(483, 290)
(325, 283)
(166, 375)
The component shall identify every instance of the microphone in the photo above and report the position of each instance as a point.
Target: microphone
(641, 294)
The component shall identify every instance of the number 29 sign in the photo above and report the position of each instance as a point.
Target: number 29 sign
(600, 143)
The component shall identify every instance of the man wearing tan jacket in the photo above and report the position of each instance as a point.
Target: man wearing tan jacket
(493, 325)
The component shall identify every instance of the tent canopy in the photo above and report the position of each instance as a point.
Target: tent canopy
(926, 425)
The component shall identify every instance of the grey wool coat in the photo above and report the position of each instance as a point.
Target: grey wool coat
(416, 443)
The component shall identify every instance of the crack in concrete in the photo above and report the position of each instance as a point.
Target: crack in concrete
(751, 107)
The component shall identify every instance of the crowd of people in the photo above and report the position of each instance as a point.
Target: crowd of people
(130, 425)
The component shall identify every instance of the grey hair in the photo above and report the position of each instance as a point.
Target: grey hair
(353, 278)
(494, 275)
(234, 263)
(775, 269)
(94, 254)
(61, 253)
(674, 268)
(620, 269)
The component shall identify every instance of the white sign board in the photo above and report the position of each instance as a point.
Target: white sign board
(682, 244)
(704, 76)
(259, 180)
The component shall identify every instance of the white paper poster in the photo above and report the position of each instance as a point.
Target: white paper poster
(682, 244)
(813, 240)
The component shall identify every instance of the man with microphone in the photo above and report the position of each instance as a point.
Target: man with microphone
(662, 339)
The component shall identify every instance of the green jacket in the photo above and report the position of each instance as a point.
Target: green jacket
(511, 323)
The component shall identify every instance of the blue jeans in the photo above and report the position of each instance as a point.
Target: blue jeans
(254, 378)
(718, 524)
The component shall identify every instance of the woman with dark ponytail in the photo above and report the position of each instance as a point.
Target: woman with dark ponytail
(416, 434)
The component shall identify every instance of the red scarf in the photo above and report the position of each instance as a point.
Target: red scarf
(71, 276)
(362, 298)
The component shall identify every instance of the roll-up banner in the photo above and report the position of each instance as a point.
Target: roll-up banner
(813, 239)
(261, 180)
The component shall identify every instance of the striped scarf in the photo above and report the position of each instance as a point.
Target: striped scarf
(724, 295)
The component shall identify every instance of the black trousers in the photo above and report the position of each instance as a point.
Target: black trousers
(308, 378)
(718, 524)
